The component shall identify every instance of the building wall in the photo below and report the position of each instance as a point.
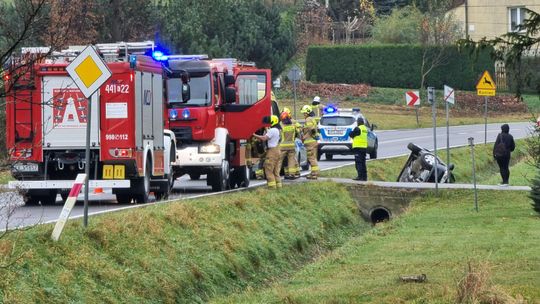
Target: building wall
(490, 18)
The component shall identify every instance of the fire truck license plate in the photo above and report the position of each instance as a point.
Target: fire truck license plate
(29, 167)
(114, 172)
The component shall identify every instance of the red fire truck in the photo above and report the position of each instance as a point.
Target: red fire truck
(228, 102)
(131, 150)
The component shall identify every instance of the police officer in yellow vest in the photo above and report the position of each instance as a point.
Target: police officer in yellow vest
(359, 145)
(288, 136)
(310, 136)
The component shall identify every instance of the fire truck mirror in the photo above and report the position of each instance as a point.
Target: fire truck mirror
(186, 92)
(230, 95)
(266, 120)
(229, 80)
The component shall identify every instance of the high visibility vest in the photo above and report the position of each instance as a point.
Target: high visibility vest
(361, 140)
(310, 130)
(288, 134)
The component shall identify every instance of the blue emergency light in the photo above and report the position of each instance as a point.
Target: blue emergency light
(132, 61)
(186, 113)
(173, 114)
(159, 56)
(330, 109)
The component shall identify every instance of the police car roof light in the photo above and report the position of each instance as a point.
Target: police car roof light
(329, 109)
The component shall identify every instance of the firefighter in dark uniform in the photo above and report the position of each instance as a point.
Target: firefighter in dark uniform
(359, 145)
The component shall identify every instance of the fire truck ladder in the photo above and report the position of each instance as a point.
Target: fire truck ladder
(117, 51)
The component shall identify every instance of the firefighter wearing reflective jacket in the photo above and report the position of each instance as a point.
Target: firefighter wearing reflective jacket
(309, 137)
(298, 128)
(288, 135)
(273, 154)
(256, 150)
(359, 145)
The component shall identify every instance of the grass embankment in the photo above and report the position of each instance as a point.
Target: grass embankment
(437, 237)
(486, 167)
(180, 252)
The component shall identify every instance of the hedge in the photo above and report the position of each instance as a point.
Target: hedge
(395, 66)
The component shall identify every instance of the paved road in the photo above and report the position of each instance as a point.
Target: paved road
(391, 143)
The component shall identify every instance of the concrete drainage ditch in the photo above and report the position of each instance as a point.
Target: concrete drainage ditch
(378, 204)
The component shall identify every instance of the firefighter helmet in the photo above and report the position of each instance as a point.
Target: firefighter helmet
(285, 115)
(274, 120)
(316, 100)
(306, 109)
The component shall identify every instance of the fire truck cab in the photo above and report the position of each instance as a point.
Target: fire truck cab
(229, 101)
(131, 149)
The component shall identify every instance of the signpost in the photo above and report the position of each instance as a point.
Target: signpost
(412, 98)
(89, 72)
(449, 97)
(486, 87)
(431, 100)
(294, 75)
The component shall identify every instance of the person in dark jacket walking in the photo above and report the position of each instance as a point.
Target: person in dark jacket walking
(504, 146)
(359, 146)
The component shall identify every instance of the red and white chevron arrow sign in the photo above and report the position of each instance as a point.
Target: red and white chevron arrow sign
(412, 98)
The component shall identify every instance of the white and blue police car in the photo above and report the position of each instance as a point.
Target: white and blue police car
(334, 128)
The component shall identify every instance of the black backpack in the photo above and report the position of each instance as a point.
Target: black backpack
(500, 151)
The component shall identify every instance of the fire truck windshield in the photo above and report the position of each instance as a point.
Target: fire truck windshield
(200, 90)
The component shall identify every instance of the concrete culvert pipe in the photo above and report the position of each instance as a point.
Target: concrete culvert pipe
(379, 214)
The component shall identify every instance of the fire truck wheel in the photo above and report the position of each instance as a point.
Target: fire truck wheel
(143, 187)
(30, 200)
(240, 177)
(64, 196)
(123, 199)
(194, 176)
(220, 177)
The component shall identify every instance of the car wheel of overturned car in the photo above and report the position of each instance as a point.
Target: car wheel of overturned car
(428, 160)
(328, 156)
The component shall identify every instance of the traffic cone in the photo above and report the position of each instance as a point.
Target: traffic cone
(98, 190)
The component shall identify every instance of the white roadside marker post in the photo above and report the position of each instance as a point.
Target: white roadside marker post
(68, 206)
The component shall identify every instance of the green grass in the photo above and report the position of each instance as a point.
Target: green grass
(486, 166)
(180, 252)
(5, 177)
(437, 237)
(533, 102)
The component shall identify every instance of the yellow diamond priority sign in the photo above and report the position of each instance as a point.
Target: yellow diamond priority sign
(88, 71)
(486, 86)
